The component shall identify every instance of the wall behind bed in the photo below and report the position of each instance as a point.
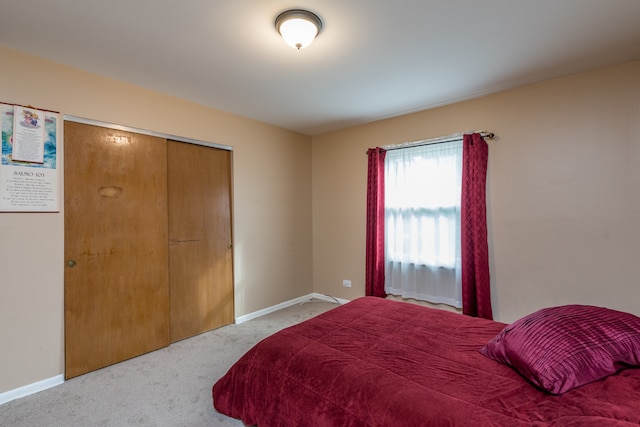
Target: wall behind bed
(564, 199)
(563, 191)
(272, 208)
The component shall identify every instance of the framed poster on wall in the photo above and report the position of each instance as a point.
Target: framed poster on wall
(28, 169)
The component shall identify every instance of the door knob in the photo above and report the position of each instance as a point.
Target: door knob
(71, 263)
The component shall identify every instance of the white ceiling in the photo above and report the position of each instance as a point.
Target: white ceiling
(373, 59)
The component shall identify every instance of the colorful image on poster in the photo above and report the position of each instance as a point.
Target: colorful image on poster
(50, 126)
(28, 166)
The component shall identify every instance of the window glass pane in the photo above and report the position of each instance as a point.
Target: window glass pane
(422, 208)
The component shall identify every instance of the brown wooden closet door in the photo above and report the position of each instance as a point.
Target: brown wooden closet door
(116, 278)
(200, 255)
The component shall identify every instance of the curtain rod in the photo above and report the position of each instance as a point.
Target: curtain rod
(439, 140)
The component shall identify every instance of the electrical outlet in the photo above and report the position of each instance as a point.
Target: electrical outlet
(346, 283)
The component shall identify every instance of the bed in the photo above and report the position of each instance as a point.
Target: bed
(377, 362)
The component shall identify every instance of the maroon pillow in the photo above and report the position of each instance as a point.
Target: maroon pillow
(560, 348)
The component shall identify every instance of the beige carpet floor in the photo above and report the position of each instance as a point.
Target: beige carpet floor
(166, 388)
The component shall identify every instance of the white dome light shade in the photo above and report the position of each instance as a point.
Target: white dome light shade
(298, 32)
(298, 28)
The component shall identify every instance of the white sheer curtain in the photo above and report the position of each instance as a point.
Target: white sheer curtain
(422, 229)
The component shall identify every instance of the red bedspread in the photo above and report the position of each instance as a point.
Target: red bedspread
(375, 362)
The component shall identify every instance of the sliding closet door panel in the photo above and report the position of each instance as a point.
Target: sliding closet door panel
(200, 254)
(116, 253)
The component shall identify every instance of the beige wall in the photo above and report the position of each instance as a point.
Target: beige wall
(272, 206)
(563, 208)
(563, 191)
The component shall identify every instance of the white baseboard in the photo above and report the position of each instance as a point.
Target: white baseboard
(30, 389)
(329, 298)
(256, 314)
(57, 380)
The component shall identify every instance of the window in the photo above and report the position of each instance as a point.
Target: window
(422, 222)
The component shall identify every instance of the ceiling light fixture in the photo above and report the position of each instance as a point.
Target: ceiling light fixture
(298, 27)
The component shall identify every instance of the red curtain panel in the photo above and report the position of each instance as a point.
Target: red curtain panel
(374, 276)
(476, 295)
